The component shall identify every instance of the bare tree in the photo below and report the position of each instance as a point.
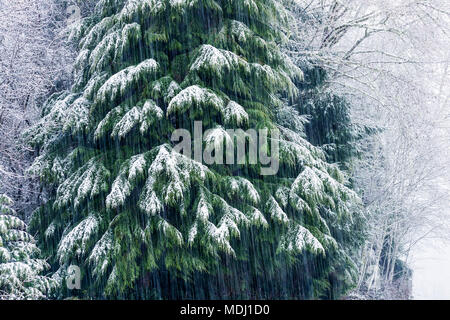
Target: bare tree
(390, 60)
(33, 63)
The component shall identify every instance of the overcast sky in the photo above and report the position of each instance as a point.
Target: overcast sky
(431, 265)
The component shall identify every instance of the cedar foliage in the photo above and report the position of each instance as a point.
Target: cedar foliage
(21, 268)
(143, 221)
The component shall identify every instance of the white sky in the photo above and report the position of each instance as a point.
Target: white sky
(431, 265)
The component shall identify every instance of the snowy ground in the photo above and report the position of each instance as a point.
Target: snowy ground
(431, 265)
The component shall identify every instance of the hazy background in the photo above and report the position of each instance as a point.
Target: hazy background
(431, 265)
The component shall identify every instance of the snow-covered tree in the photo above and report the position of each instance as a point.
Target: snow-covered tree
(389, 61)
(33, 63)
(20, 267)
(143, 220)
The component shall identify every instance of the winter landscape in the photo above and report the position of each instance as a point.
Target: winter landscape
(224, 149)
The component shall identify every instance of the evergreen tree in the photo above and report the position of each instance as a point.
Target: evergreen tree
(143, 221)
(329, 122)
(20, 269)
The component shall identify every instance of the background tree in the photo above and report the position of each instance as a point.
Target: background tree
(389, 61)
(20, 269)
(34, 61)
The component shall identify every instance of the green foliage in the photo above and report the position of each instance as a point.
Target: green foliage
(140, 218)
(20, 267)
(330, 124)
